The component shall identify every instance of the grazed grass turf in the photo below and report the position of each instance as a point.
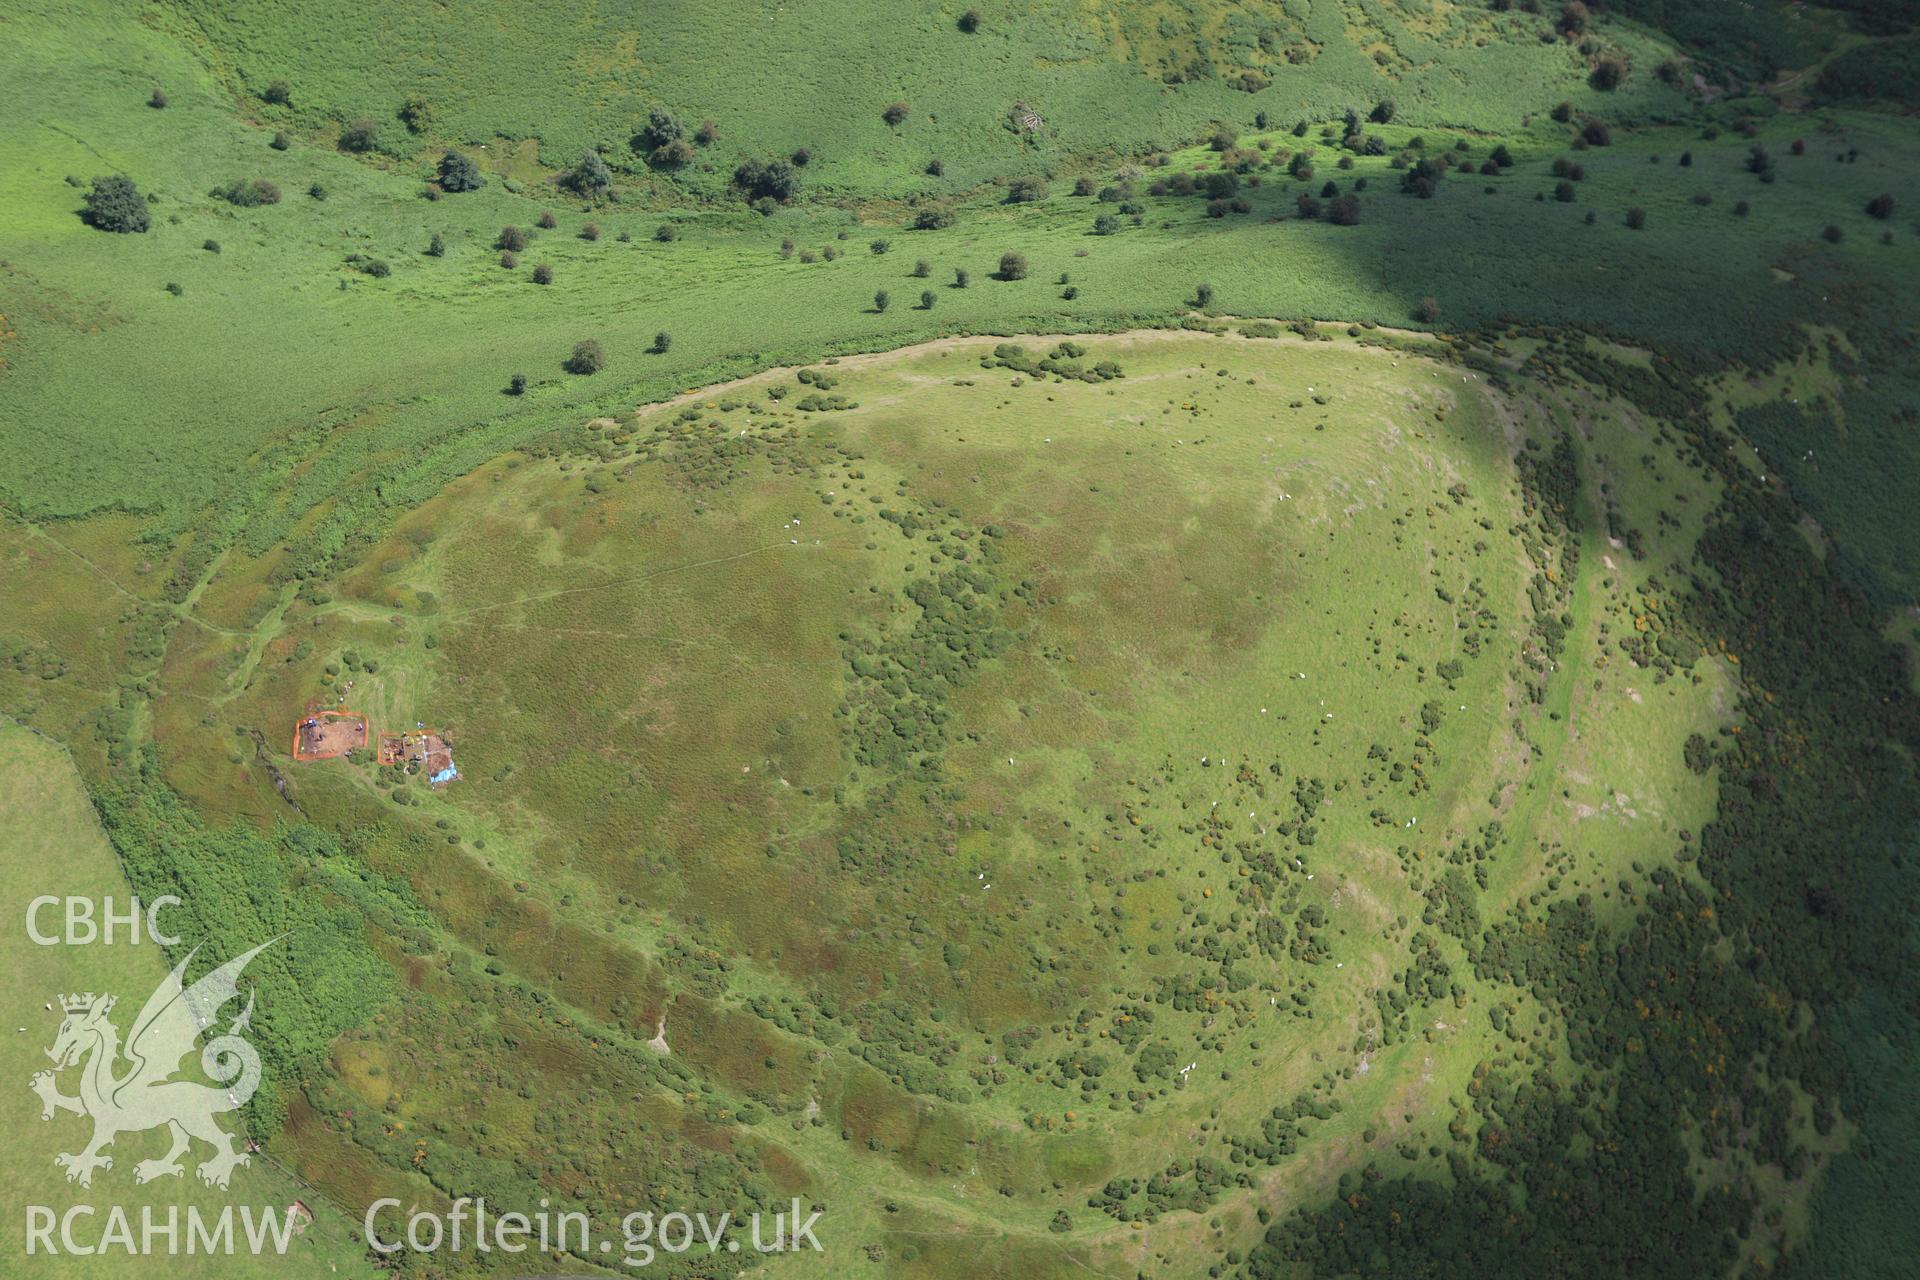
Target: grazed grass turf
(1236, 569)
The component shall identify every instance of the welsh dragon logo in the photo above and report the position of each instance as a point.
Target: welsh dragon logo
(144, 1095)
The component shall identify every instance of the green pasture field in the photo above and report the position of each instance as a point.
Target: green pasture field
(215, 398)
(1095, 80)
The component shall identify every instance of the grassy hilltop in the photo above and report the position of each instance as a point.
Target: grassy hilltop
(1151, 638)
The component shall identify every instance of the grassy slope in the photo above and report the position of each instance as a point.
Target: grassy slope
(408, 394)
(775, 78)
(1186, 591)
(53, 845)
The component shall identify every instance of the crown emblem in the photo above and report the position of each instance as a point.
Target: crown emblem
(82, 1003)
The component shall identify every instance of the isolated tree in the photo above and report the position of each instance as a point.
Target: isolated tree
(586, 358)
(1383, 111)
(1344, 211)
(511, 238)
(881, 299)
(802, 156)
(589, 231)
(543, 274)
(115, 204)
(1013, 266)
(662, 343)
(1881, 206)
(666, 233)
(459, 173)
(1428, 311)
(547, 221)
(1573, 18)
(437, 247)
(591, 177)
(896, 112)
(960, 277)
(278, 92)
(1105, 225)
(970, 21)
(517, 384)
(359, 135)
(1203, 295)
(509, 259)
(1636, 217)
(280, 141)
(1607, 74)
(932, 217)
(926, 299)
(922, 269)
(1833, 234)
(706, 133)
(159, 100)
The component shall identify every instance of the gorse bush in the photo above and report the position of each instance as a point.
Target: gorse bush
(250, 192)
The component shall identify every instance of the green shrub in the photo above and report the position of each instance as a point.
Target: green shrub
(586, 358)
(249, 193)
(360, 135)
(459, 173)
(115, 204)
